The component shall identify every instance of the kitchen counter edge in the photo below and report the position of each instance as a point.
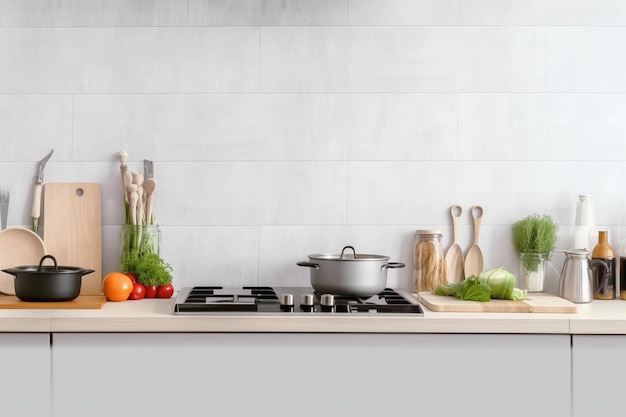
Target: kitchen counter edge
(154, 315)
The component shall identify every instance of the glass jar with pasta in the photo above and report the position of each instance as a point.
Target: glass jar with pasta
(429, 266)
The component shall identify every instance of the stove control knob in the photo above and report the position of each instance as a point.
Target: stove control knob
(306, 302)
(286, 302)
(327, 302)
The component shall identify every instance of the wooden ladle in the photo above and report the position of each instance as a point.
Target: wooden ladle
(149, 184)
(474, 257)
(454, 255)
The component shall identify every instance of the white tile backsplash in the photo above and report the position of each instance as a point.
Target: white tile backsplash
(31, 125)
(129, 60)
(256, 127)
(487, 12)
(403, 59)
(281, 129)
(267, 12)
(586, 59)
(542, 126)
(34, 13)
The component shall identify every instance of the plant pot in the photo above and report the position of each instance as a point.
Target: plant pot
(533, 269)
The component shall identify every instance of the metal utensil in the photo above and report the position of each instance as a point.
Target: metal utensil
(37, 191)
(454, 255)
(474, 257)
(4, 204)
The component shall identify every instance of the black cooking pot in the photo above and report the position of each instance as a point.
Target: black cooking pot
(47, 283)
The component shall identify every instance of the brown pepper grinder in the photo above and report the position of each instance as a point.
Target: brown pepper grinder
(603, 279)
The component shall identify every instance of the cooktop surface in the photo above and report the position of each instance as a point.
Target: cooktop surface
(290, 300)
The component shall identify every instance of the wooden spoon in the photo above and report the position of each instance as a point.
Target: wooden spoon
(149, 185)
(454, 255)
(474, 258)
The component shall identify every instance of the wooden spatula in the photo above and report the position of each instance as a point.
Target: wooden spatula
(474, 257)
(454, 255)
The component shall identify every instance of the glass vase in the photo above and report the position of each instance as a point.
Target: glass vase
(138, 241)
(533, 269)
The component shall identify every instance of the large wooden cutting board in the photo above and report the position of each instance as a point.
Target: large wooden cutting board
(536, 303)
(72, 228)
(82, 302)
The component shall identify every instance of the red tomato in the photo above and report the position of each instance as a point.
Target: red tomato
(165, 291)
(132, 276)
(138, 292)
(151, 291)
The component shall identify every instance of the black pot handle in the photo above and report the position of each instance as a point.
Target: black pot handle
(56, 267)
(309, 264)
(344, 249)
(393, 265)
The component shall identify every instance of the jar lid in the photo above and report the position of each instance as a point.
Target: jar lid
(428, 232)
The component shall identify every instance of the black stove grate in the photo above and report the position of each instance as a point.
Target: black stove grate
(215, 299)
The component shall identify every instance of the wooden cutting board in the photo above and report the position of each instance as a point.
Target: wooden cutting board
(72, 228)
(82, 302)
(536, 303)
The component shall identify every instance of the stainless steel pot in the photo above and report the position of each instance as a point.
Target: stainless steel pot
(354, 275)
(47, 283)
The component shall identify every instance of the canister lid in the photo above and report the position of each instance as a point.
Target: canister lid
(428, 232)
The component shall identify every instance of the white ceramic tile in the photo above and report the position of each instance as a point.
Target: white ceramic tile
(487, 12)
(268, 12)
(208, 127)
(447, 12)
(226, 256)
(586, 59)
(402, 59)
(32, 125)
(250, 193)
(106, 60)
(396, 126)
(422, 192)
(585, 12)
(267, 126)
(542, 126)
(33, 13)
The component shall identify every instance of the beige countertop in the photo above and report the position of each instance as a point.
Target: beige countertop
(154, 315)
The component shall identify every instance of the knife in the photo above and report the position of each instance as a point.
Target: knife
(149, 184)
(37, 191)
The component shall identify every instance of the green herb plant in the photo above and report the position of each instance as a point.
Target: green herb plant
(150, 268)
(535, 234)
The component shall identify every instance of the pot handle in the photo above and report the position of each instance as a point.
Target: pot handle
(43, 258)
(309, 264)
(393, 265)
(344, 249)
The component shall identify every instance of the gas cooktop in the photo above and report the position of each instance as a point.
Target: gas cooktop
(208, 300)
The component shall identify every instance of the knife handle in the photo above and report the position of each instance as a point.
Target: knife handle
(35, 212)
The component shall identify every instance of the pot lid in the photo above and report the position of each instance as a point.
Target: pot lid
(346, 255)
(36, 269)
(47, 269)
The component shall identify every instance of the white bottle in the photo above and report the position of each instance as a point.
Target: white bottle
(584, 233)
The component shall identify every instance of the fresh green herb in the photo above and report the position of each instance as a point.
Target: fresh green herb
(534, 234)
(150, 269)
(493, 283)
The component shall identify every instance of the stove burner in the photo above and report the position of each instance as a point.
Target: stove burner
(217, 299)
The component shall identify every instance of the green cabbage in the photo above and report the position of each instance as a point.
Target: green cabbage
(493, 283)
